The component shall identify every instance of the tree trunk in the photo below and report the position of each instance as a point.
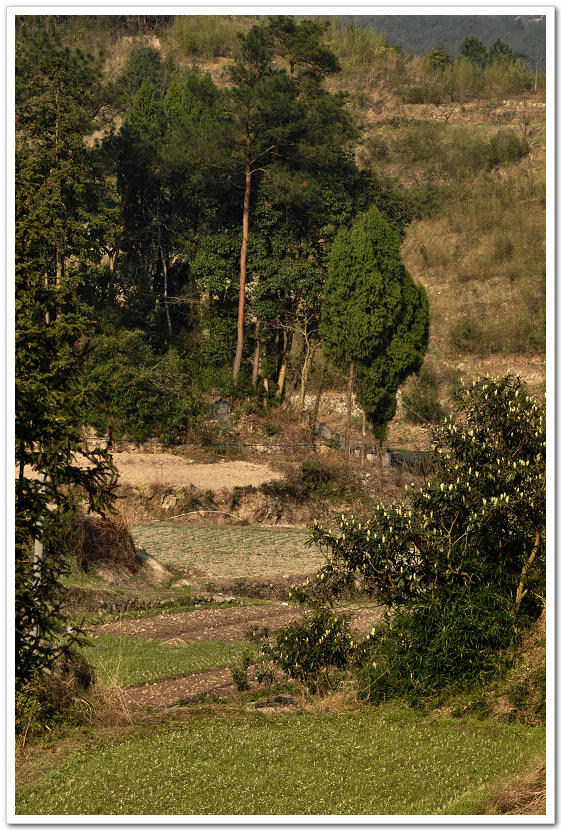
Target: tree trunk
(363, 438)
(112, 263)
(349, 405)
(318, 397)
(379, 453)
(307, 365)
(256, 357)
(166, 304)
(38, 553)
(243, 262)
(284, 364)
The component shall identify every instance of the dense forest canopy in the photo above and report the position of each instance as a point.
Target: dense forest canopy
(193, 209)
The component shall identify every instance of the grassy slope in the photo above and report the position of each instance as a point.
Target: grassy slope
(384, 762)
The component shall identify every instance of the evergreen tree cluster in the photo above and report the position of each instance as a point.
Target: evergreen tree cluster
(197, 234)
(173, 237)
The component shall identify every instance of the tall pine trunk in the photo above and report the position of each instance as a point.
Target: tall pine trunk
(243, 261)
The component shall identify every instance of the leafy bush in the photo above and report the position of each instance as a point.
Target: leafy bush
(307, 649)
(133, 390)
(473, 537)
(446, 641)
(421, 398)
(506, 147)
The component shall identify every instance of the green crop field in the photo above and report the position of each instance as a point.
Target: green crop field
(129, 661)
(389, 761)
(229, 552)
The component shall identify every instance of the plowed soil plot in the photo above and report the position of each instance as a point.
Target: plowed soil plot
(148, 469)
(222, 624)
(144, 469)
(224, 552)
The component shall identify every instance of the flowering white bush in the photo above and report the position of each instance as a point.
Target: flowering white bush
(480, 521)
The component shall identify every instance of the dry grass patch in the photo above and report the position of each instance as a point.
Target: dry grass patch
(94, 540)
(523, 797)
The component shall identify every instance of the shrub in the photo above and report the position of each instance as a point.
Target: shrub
(134, 390)
(421, 398)
(205, 36)
(93, 540)
(53, 697)
(468, 335)
(446, 641)
(506, 147)
(306, 650)
(471, 539)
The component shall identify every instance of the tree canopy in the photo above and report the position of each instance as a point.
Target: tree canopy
(373, 314)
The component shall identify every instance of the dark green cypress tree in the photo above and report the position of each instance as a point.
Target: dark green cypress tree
(375, 318)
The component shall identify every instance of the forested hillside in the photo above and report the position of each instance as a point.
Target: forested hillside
(524, 34)
(181, 183)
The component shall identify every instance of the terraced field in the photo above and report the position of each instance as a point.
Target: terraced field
(229, 552)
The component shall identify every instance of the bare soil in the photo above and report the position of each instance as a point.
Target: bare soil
(225, 625)
(141, 470)
(144, 470)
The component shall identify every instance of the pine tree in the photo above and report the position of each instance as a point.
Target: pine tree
(55, 196)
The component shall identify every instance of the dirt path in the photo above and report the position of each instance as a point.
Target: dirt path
(222, 624)
(166, 693)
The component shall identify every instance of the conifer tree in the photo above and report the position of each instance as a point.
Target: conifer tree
(375, 318)
(55, 199)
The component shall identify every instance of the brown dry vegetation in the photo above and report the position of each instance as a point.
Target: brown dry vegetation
(523, 797)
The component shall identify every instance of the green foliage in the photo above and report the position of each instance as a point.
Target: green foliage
(315, 479)
(129, 660)
(474, 50)
(47, 701)
(307, 650)
(444, 642)
(473, 535)
(479, 521)
(373, 314)
(416, 33)
(383, 744)
(205, 36)
(132, 389)
(56, 199)
(421, 398)
(506, 147)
